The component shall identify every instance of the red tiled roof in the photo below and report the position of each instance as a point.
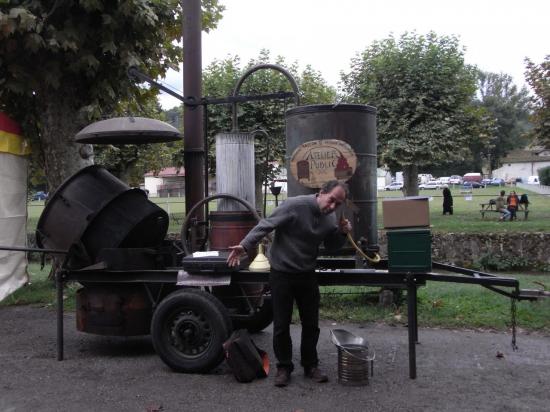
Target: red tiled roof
(168, 172)
(522, 156)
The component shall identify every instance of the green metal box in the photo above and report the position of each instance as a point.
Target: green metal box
(409, 250)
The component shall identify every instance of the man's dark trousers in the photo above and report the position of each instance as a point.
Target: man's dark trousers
(304, 288)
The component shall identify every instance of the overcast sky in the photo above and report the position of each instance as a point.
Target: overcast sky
(497, 34)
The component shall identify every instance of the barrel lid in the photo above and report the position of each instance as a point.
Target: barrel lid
(128, 130)
(336, 108)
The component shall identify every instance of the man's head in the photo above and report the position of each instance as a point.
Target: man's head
(502, 192)
(331, 195)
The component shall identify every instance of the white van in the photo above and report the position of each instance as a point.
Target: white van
(533, 180)
(424, 177)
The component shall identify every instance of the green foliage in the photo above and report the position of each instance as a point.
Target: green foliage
(423, 90)
(64, 64)
(40, 290)
(503, 262)
(544, 176)
(538, 77)
(508, 108)
(440, 304)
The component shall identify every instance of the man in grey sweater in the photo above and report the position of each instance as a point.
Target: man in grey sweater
(301, 224)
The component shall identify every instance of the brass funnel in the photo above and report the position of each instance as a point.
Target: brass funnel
(260, 263)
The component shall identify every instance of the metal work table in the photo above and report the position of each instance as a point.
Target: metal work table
(335, 272)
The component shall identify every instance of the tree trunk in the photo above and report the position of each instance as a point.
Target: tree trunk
(59, 124)
(410, 180)
(259, 190)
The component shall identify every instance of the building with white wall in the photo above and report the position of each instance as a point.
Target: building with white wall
(523, 163)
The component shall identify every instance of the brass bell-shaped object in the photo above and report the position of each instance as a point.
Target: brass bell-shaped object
(260, 262)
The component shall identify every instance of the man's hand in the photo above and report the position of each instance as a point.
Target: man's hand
(234, 257)
(345, 226)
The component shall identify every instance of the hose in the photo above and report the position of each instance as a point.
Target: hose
(376, 257)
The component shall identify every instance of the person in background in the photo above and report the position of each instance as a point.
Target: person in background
(513, 203)
(500, 205)
(447, 201)
(524, 201)
(301, 224)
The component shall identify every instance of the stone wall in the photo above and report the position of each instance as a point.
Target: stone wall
(468, 249)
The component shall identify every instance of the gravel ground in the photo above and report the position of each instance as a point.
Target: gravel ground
(457, 370)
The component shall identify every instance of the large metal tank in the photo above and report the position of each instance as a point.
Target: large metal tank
(93, 210)
(327, 142)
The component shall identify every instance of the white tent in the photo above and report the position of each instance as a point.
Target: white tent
(13, 206)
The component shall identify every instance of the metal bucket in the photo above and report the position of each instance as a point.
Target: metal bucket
(353, 358)
(326, 142)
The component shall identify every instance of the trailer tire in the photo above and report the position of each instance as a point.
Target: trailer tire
(188, 330)
(260, 320)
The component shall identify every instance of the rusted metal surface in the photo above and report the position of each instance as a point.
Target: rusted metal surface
(354, 125)
(194, 154)
(113, 310)
(93, 210)
(229, 228)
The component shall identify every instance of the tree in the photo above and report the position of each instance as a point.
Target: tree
(64, 64)
(422, 90)
(509, 108)
(538, 77)
(219, 80)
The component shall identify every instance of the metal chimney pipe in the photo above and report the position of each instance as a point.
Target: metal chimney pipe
(194, 151)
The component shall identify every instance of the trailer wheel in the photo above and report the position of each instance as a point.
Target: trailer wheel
(261, 319)
(188, 330)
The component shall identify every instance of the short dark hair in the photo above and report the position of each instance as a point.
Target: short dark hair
(502, 192)
(331, 184)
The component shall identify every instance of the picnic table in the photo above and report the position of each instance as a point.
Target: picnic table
(490, 208)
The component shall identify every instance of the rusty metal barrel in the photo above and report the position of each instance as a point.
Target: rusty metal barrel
(228, 228)
(114, 310)
(327, 142)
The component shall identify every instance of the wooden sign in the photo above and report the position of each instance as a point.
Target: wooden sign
(319, 161)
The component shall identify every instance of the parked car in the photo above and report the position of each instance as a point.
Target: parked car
(486, 182)
(445, 180)
(40, 195)
(472, 177)
(394, 186)
(455, 180)
(533, 180)
(496, 181)
(472, 185)
(432, 185)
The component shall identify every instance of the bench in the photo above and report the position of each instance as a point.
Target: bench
(490, 208)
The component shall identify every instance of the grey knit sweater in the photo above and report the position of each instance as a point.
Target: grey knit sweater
(300, 228)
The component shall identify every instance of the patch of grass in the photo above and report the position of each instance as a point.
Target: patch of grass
(442, 304)
(40, 290)
(467, 218)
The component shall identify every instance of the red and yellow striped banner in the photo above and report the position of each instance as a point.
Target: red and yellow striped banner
(11, 139)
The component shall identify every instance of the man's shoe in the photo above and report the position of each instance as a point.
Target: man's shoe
(316, 375)
(282, 378)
